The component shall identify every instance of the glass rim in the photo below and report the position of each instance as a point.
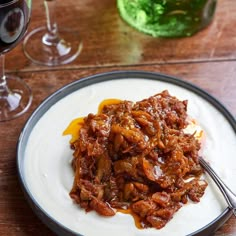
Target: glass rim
(8, 3)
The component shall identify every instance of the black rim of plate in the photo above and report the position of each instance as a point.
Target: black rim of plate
(53, 224)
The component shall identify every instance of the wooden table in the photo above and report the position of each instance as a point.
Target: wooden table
(208, 59)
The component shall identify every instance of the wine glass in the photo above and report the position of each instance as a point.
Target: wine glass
(54, 46)
(15, 95)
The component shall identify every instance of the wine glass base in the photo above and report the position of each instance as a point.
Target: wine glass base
(15, 100)
(64, 51)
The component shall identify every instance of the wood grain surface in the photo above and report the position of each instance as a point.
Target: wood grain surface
(207, 59)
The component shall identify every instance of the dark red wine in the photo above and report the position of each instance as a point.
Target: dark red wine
(14, 19)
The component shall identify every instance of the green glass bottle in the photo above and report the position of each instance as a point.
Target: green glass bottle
(167, 18)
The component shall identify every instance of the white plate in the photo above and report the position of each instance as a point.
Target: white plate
(44, 155)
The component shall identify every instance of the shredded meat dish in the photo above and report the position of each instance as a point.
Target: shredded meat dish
(136, 156)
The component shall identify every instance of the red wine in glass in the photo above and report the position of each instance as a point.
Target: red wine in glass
(14, 19)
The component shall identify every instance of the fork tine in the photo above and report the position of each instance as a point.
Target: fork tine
(229, 196)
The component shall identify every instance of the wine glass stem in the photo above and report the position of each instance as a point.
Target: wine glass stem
(2, 74)
(51, 37)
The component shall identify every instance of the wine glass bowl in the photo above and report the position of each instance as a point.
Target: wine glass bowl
(15, 95)
(55, 46)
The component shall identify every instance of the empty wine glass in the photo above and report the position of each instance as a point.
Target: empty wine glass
(15, 95)
(49, 45)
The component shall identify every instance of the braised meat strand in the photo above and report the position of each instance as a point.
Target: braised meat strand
(137, 157)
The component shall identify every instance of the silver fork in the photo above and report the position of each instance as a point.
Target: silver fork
(229, 196)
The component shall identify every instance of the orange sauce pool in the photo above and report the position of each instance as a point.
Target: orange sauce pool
(135, 217)
(109, 101)
(73, 128)
(194, 127)
(75, 125)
